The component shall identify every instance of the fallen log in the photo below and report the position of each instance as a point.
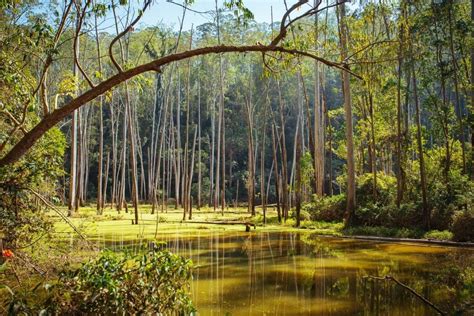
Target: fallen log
(247, 224)
(412, 240)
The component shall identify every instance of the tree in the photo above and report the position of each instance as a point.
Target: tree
(122, 75)
(351, 198)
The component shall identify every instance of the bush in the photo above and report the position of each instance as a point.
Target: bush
(372, 215)
(384, 231)
(304, 214)
(385, 189)
(150, 283)
(22, 216)
(448, 198)
(407, 215)
(328, 208)
(382, 210)
(439, 235)
(463, 224)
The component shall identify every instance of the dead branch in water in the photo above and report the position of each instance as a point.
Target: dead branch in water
(422, 298)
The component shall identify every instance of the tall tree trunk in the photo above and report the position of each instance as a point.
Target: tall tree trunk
(199, 202)
(191, 173)
(318, 123)
(373, 152)
(350, 196)
(400, 147)
(187, 176)
(262, 165)
(330, 180)
(100, 202)
(458, 109)
(275, 163)
(426, 213)
(106, 177)
(299, 141)
(251, 157)
(284, 168)
(178, 183)
(72, 205)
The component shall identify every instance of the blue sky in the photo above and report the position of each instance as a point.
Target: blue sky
(169, 13)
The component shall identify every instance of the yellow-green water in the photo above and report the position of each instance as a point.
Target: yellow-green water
(269, 272)
(272, 273)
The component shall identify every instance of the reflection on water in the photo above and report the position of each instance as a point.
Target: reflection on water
(301, 274)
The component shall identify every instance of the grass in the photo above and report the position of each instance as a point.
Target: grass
(111, 224)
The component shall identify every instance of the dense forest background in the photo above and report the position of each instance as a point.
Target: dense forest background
(387, 144)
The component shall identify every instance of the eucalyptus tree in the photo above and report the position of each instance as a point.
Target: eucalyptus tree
(25, 142)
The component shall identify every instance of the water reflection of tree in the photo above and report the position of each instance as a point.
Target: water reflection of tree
(447, 280)
(293, 269)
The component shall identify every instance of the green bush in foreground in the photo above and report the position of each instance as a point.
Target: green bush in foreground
(149, 283)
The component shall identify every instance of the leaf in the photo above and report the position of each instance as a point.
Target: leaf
(3, 286)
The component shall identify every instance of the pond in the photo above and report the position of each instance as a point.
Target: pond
(303, 274)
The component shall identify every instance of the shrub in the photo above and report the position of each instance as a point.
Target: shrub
(328, 208)
(463, 224)
(384, 231)
(407, 215)
(446, 198)
(385, 189)
(22, 216)
(149, 283)
(304, 214)
(372, 215)
(439, 235)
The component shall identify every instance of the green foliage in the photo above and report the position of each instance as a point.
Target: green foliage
(152, 282)
(22, 218)
(327, 209)
(439, 235)
(384, 193)
(384, 231)
(307, 168)
(241, 12)
(304, 214)
(463, 224)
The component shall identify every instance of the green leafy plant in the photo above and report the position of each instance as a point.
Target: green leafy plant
(148, 283)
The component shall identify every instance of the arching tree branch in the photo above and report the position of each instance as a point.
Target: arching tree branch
(29, 139)
(125, 31)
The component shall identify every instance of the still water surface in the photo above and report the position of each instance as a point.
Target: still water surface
(303, 274)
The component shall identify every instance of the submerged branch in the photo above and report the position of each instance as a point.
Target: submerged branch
(422, 298)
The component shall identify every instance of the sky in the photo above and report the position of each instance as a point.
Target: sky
(168, 13)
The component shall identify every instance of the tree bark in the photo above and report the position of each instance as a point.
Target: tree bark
(350, 196)
(426, 213)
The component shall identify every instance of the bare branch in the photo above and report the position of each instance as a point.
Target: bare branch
(125, 31)
(80, 20)
(189, 9)
(283, 26)
(286, 22)
(49, 59)
(421, 297)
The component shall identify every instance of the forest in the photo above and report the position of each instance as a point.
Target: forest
(237, 157)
